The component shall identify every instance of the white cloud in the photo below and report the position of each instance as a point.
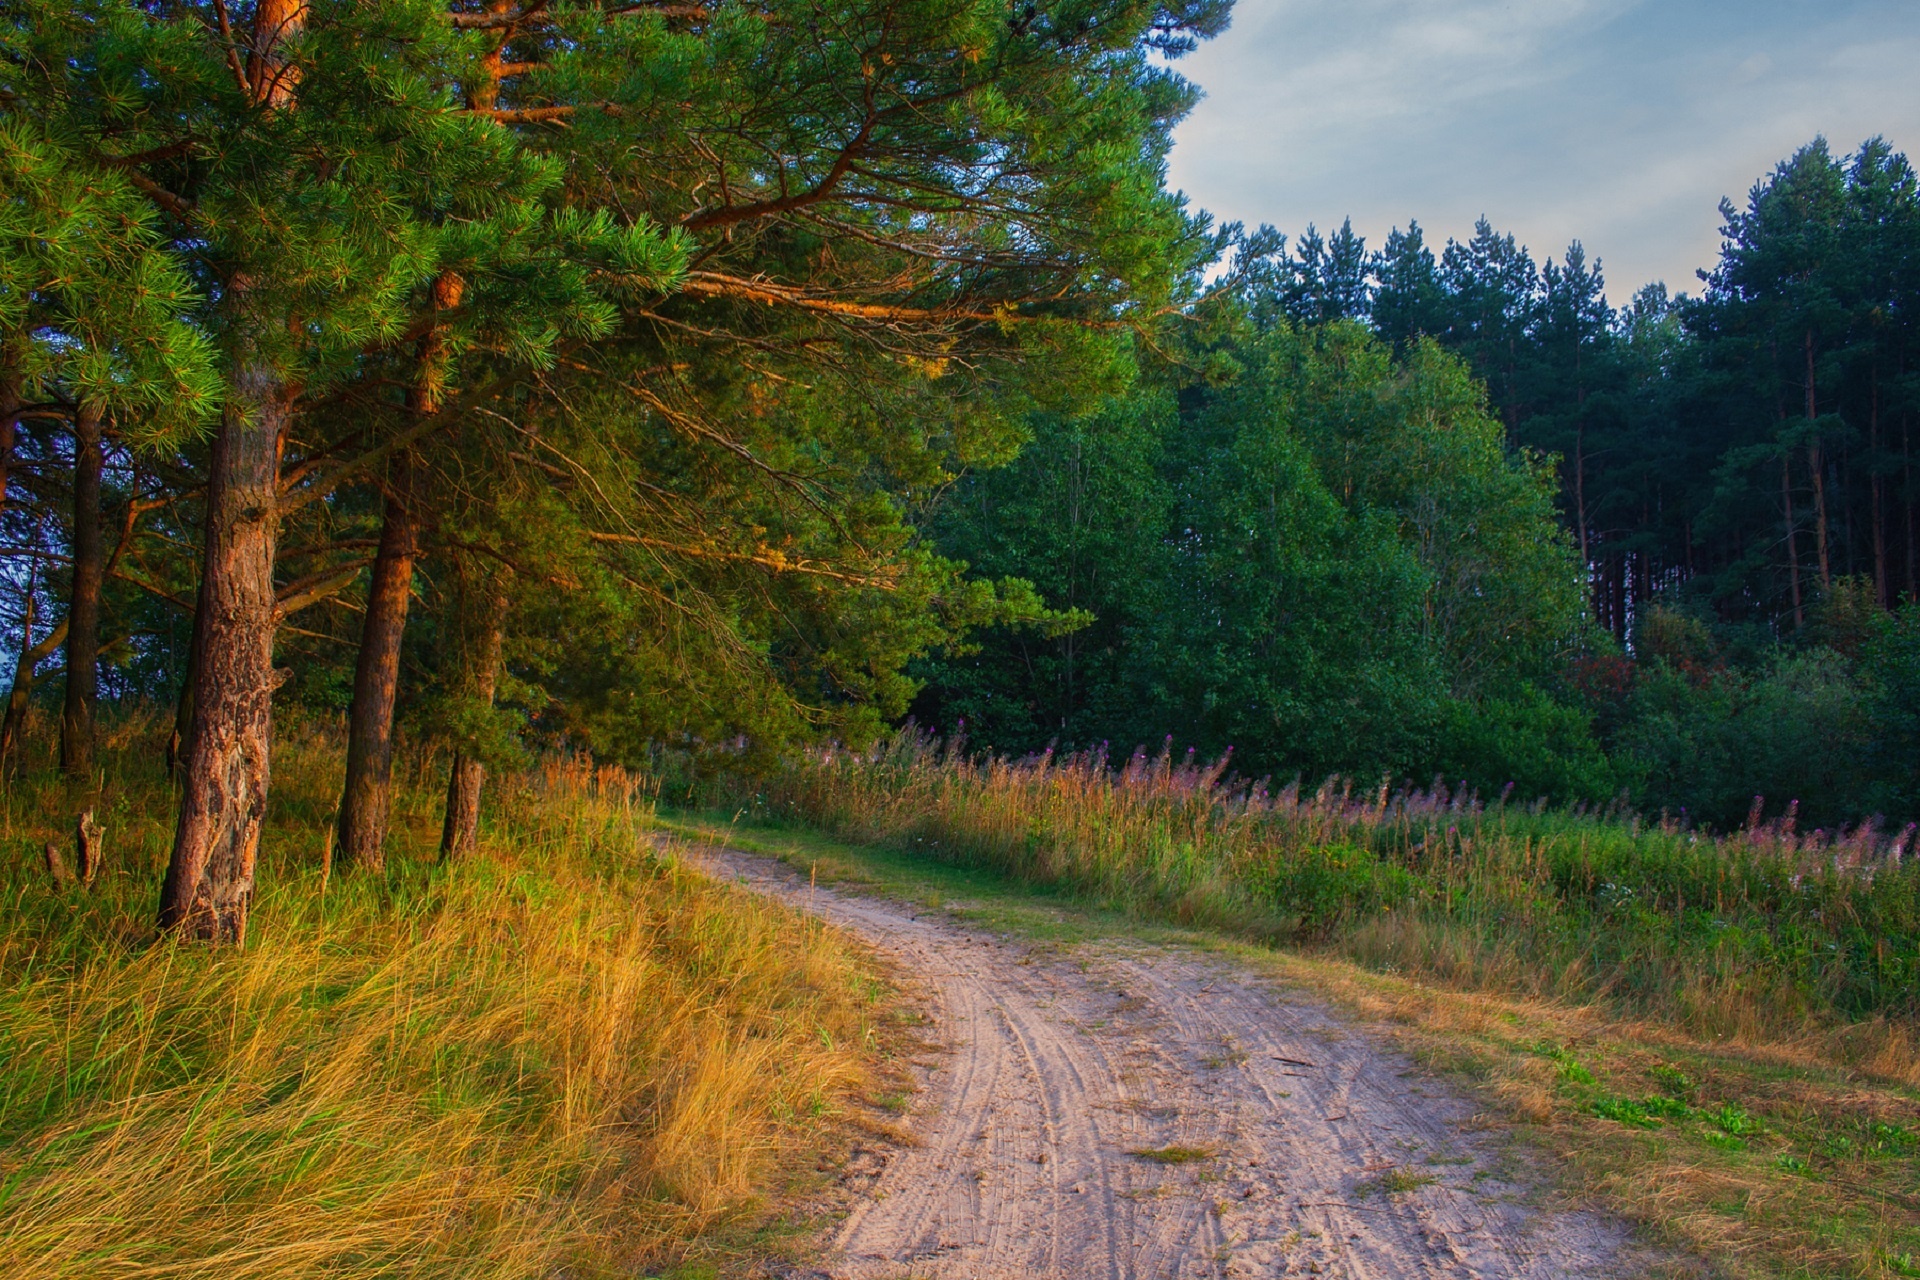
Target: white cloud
(1613, 121)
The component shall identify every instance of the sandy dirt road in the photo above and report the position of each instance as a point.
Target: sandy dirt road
(1311, 1149)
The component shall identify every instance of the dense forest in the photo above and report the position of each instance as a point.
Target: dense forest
(727, 377)
(1413, 512)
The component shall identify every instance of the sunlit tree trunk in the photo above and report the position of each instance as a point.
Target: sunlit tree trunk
(366, 803)
(223, 796)
(480, 676)
(83, 609)
(223, 792)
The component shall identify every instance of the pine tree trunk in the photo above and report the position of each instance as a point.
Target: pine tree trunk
(11, 400)
(1906, 458)
(1793, 549)
(460, 833)
(367, 802)
(83, 609)
(183, 707)
(1817, 466)
(224, 791)
(1877, 484)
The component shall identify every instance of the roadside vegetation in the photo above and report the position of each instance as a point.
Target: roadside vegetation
(564, 1055)
(1715, 1031)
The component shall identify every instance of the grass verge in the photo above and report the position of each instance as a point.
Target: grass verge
(1761, 1158)
(565, 1057)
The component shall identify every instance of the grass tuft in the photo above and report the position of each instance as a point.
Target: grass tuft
(567, 1056)
(1173, 1155)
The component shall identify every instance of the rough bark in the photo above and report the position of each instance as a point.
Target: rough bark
(224, 792)
(366, 803)
(460, 833)
(57, 867)
(90, 847)
(83, 609)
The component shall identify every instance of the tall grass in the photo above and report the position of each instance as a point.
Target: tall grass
(1764, 933)
(564, 1057)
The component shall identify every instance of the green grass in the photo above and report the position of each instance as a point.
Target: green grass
(1763, 934)
(1394, 1182)
(1173, 1155)
(1761, 1157)
(565, 1056)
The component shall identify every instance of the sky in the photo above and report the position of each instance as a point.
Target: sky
(1618, 123)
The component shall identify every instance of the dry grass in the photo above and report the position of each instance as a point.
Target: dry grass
(1761, 1157)
(1765, 935)
(567, 1057)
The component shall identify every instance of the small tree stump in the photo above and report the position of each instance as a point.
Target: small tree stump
(57, 867)
(90, 840)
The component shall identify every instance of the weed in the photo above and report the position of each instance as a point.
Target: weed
(1172, 1155)
(1395, 1182)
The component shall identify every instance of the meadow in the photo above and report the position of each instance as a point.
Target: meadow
(1713, 1035)
(1762, 932)
(568, 1055)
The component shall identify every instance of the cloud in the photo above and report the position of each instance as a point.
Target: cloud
(1616, 122)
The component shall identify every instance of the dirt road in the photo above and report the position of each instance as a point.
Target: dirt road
(1278, 1144)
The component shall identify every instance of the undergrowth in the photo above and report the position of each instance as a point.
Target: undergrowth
(1764, 934)
(565, 1056)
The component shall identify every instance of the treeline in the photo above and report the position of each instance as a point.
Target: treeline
(606, 376)
(486, 369)
(1741, 450)
(1661, 549)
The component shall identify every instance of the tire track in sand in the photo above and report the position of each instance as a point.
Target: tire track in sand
(1328, 1155)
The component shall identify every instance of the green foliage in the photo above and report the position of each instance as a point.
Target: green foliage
(1328, 561)
(1771, 929)
(93, 304)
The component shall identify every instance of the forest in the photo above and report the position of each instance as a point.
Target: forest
(1416, 513)
(511, 397)
(455, 455)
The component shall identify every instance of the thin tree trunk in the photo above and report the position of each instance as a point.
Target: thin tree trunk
(460, 832)
(224, 793)
(1793, 551)
(1877, 483)
(1580, 502)
(1817, 466)
(11, 400)
(1906, 458)
(83, 609)
(183, 707)
(31, 656)
(367, 802)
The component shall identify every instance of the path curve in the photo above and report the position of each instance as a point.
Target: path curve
(1326, 1154)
